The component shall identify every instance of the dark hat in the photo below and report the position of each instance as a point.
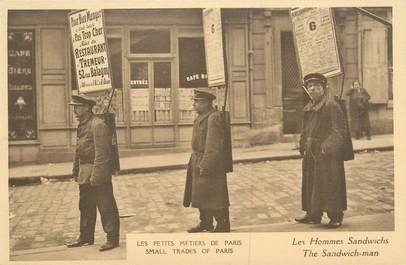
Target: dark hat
(204, 93)
(81, 100)
(315, 77)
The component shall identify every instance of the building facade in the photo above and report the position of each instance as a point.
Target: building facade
(158, 57)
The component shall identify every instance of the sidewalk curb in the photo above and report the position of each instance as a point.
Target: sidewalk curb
(27, 180)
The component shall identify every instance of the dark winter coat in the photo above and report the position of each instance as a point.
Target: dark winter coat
(321, 143)
(206, 181)
(359, 107)
(93, 160)
(359, 99)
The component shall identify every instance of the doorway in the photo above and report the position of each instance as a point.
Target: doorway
(293, 98)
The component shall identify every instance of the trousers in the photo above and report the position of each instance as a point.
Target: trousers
(221, 216)
(99, 197)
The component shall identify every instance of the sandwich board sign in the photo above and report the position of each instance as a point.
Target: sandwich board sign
(316, 41)
(90, 51)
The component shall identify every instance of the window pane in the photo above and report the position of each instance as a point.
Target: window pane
(150, 41)
(139, 75)
(21, 85)
(114, 46)
(192, 74)
(117, 104)
(162, 91)
(192, 63)
(139, 92)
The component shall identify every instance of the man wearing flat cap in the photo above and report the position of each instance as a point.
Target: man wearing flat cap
(321, 146)
(92, 170)
(206, 181)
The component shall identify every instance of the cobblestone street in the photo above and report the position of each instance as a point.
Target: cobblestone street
(260, 193)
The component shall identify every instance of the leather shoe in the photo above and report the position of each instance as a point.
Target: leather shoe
(200, 228)
(79, 243)
(308, 220)
(108, 245)
(334, 224)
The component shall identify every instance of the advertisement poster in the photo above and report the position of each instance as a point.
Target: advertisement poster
(185, 98)
(213, 40)
(316, 42)
(90, 51)
(139, 99)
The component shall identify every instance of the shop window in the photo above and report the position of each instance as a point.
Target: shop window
(162, 91)
(22, 116)
(150, 41)
(192, 73)
(139, 92)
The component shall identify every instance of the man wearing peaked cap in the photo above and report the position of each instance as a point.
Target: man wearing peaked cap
(92, 170)
(81, 100)
(206, 179)
(321, 146)
(315, 77)
(204, 94)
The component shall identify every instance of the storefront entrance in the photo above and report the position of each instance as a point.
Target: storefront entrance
(160, 85)
(292, 93)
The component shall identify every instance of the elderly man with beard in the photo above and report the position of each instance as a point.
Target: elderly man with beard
(321, 145)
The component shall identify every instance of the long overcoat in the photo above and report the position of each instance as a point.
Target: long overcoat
(359, 108)
(323, 183)
(93, 159)
(207, 190)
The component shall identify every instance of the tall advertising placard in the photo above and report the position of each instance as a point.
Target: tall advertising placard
(316, 41)
(316, 45)
(92, 66)
(213, 42)
(216, 72)
(89, 48)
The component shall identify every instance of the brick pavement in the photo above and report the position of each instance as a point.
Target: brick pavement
(261, 193)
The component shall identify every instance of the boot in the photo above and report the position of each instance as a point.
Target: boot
(223, 221)
(79, 242)
(334, 224)
(307, 219)
(109, 245)
(200, 228)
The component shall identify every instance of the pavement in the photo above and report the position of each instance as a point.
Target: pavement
(264, 195)
(28, 174)
(149, 189)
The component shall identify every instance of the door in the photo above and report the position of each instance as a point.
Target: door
(151, 103)
(292, 93)
(374, 54)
